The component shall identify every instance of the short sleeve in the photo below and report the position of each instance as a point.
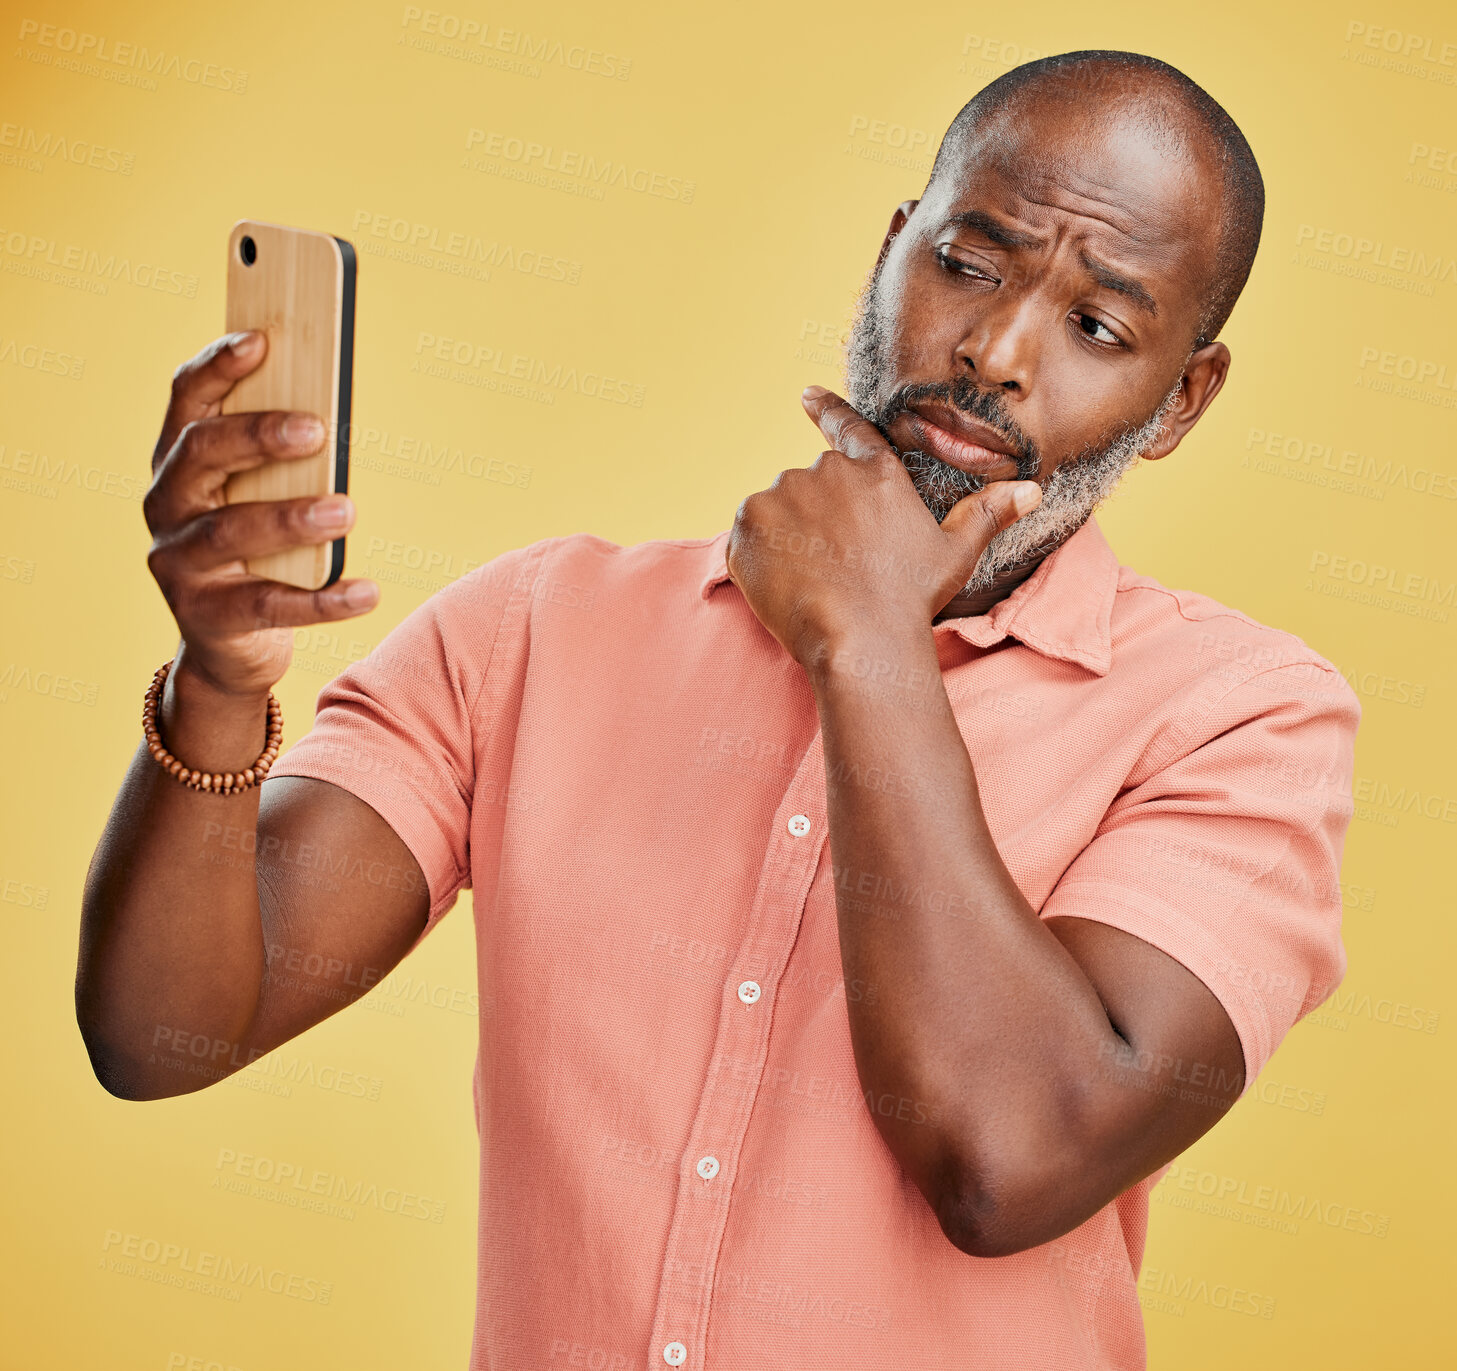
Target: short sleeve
(396, 728)
(1226, 853)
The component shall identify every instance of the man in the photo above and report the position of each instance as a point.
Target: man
(871, 900)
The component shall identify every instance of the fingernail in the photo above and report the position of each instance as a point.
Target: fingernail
(240, 343)
(814, 392)
(1026, 497)
(361, 594)
(330, 512)
(302, 428)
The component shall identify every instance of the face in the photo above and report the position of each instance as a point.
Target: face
(1033, 318)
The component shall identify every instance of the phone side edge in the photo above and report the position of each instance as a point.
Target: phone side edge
(346, 395)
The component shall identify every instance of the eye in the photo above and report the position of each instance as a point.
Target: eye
(1096, 329)
(963, 268)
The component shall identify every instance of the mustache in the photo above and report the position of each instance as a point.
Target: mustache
(981, 404)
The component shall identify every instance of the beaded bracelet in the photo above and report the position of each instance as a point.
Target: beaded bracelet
(217, 782)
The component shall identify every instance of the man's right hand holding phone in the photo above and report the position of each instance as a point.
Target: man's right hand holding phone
(237, 628)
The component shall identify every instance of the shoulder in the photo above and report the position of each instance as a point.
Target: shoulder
(599, 561)
(1209, 636)
(1223, 666)
(579, 569)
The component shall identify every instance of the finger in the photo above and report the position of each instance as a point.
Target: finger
(201, 382)
(254, 528)
(848, 430)
(209, 450)
(975, 520)
(246, 604)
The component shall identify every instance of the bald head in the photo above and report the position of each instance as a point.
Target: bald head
(1178, 116)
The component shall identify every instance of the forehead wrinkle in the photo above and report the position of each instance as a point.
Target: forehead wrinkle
(1127, 162)
(1067, 190)
(1153, 250)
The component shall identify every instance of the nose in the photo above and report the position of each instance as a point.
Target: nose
(1000, 345)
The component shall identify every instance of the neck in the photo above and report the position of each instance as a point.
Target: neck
(979, 602)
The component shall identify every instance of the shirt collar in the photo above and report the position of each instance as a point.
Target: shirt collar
(1063, 610)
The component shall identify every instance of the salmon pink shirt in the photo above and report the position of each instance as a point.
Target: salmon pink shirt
(678, 1164)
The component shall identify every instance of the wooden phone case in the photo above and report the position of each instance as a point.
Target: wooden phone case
(300, 291)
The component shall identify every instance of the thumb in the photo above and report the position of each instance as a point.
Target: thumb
(975, 520)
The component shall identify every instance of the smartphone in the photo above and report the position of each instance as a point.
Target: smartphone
(297, 285)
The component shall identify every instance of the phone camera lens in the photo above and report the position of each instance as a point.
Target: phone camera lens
(249, 249)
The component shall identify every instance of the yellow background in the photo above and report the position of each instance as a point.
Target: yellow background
(721, 308)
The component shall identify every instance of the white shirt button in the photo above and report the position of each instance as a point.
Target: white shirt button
(675, 1354)
(799, 825)
(708, 1167)
(748, 991)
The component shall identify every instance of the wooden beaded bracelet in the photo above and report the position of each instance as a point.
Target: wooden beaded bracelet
(217, 782)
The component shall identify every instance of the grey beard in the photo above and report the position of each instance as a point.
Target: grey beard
(1069, 496)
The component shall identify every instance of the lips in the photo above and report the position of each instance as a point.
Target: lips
(958, 439)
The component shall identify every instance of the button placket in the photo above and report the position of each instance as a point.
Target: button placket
(741, 1048)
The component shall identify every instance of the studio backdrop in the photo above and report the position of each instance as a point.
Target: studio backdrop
(601, 251)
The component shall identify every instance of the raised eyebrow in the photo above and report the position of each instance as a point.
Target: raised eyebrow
(977, 221)
(1131, 290)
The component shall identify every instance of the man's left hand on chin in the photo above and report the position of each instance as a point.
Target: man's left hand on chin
(846, 549)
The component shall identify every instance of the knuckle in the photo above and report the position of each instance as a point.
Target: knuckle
(260, 604)
(212, 531)
(749, 521)
(884, 474)
(190, 440)
(157, 561)
(151, 502)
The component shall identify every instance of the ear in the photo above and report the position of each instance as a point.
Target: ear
(1204, 375)
(903, 211)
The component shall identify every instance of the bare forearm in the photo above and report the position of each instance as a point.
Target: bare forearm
(171, 938)
(982, 1020)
